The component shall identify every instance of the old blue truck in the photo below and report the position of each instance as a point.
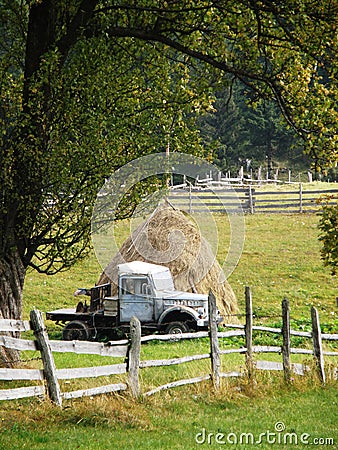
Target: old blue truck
(144, 290)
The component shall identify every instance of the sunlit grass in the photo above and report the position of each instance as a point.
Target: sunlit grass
(281, 257)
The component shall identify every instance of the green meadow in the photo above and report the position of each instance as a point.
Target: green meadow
(280, 258)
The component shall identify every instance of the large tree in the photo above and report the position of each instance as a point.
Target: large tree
(73, 110)
(88, 84)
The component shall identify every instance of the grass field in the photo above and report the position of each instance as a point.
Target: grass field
(182, 419)
(280, 258)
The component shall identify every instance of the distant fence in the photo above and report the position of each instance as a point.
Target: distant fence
(248, 177)
(130, 350)
(249, 200)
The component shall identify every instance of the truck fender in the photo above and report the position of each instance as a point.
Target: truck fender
(179, 308)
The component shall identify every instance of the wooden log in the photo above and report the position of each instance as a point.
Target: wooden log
(248, 331)
(269, 365)
(30, 391)
(178, 383)
(18, 344)
(293, 350)
(230, 374)
(325, 336)
(89, 348)
(91, 372)
(300, 198)
(317, 344)
(214, 346)
(329, 337)
(227, 334)
(47, 356)
(230, 351)
(173, 361)
(14, 325)
(133, 363)
(169, 337)
(297, 368)
(266, 349)
(330, 353)
(251, 201)
(107, 389)
(21, 374)
(286, 339)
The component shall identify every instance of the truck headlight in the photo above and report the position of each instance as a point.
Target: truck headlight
(201, 313)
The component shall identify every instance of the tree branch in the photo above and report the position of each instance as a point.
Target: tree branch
(221, 65)
(76, 26)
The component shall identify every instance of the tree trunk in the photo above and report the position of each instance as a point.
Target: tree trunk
(12, 276)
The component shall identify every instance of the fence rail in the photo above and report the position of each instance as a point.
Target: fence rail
(130, 350)
(246, 199)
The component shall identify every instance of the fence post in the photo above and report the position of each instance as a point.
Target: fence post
(286, 347)
(214, 346)
(47, 356)
(300, 198)
(251, 203)
(190, 199)
(317, 344)
(248, 330)
(134, 357)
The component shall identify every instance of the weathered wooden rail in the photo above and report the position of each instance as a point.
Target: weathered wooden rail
(130, 350)
(248, 200)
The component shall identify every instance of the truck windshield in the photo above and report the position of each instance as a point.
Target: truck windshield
(163, 281)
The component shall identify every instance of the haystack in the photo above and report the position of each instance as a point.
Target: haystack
(170, 238)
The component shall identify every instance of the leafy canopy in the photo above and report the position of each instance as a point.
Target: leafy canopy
(328, 225)
(71, 123)
(87, 85)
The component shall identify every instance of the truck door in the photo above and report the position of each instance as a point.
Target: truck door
(136, 299)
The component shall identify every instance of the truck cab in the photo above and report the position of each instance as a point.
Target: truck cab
(146, 291)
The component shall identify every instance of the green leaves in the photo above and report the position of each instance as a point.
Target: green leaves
(96, 84)
(328, 225)
(79, 115)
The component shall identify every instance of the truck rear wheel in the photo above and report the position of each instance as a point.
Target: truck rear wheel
(176, 328)
(76, 331)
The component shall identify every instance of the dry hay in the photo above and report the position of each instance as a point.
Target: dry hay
(169, 238)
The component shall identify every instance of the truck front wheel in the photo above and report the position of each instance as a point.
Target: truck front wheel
(176, 328)
(76, 331)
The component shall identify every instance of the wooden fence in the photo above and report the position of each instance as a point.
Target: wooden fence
(245, 178)
(229, 200)
(130, 350)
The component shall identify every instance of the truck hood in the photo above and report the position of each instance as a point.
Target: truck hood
(180, 295)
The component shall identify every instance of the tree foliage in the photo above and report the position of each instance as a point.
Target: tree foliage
(328, 226)
(282, 51)
(87, 85)
(72, 120)
(252, 137)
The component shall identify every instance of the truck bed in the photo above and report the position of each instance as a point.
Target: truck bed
(67, 315)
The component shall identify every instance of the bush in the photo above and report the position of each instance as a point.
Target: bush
(328, 225)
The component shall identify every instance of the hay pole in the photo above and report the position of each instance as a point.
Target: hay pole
(248, 330)
(214, 345)
(286, 346)
(133, 364)
(41, 335)
(300, 198)
(317, 344)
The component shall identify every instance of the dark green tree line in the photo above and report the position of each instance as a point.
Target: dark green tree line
(251, 137)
